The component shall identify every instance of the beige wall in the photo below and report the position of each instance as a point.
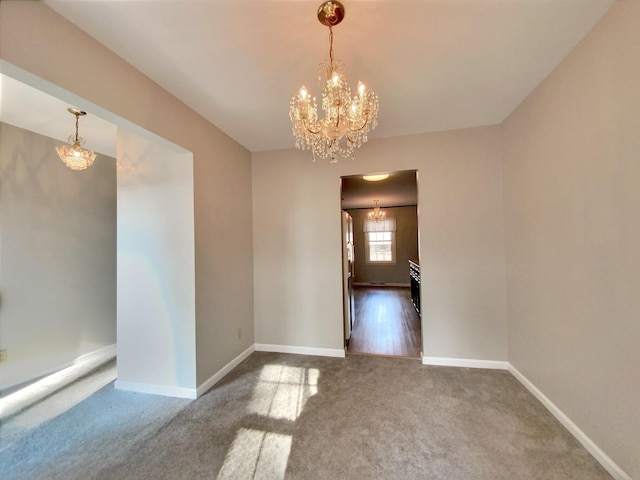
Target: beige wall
(57, 256)
(572, 203)
(43, 43)
(406, 247)
(297, 242)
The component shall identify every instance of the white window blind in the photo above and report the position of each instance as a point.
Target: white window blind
(384, 225)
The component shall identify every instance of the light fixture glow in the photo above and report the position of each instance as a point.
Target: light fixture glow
(345, 117)
(376, 214)
(375, 178)
(74, 156)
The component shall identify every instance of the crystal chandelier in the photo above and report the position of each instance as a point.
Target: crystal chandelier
(74, 156)
(345, 117)
(376, 214)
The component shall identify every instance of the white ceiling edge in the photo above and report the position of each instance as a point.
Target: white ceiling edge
(31, 109)
(48, 105)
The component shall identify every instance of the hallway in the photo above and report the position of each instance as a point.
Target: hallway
(386, 323)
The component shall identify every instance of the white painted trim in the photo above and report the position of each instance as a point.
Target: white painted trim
(57, 380)
(369, 284)
(36, 377)
(604, 460)
(321, 352)
(465, 363)
(85, 363)
(165, 390)
(102, 355)
(609, 465)
(71, 98)
(220, 374)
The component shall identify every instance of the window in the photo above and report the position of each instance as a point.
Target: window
(380, 241)
(380, 247)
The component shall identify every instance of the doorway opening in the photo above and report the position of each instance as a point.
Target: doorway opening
(381, 266)
(84, 272)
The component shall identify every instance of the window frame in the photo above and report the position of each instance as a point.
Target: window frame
(368, 260)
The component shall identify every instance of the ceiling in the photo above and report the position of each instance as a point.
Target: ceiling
(31, 109)
(435, 64)
(399, 190)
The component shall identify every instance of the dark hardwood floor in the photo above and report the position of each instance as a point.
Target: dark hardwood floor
(386, 323)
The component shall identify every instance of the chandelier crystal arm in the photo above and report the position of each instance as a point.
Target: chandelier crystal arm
(309, 130)
(364, 124)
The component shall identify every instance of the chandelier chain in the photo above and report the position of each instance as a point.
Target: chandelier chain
(77, 118)
(331, 47)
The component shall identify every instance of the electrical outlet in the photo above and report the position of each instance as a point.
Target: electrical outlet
(3, 355)
(239, 333)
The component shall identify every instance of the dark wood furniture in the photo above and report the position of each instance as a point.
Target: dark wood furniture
(414, 273)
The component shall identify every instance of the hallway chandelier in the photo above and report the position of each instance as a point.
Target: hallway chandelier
(74, 156)
(377, 214)
(345, 117)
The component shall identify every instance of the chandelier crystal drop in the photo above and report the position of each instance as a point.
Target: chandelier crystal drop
(377, 214)
(74, 156)
(347, 120)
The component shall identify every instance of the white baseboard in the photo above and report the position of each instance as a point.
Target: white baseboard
(165, 390)
(321, 352)
(56, 379)
(604, 460)
(609, 465)
(84, 363)
(465, 362)
(101, 355)
(219, 375)
(369, 284)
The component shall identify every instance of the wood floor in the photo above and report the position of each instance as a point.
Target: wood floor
(386, 323)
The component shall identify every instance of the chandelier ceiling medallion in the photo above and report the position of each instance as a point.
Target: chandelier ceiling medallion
(377, 214)
(74, 156)
(346, 117)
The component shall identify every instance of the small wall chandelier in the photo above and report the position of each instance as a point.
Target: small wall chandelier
(377, 214)
(345, 117)
(74, 156)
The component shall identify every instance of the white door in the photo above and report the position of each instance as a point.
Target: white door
(347, 274)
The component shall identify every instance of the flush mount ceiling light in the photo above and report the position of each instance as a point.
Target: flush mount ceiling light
(345, 117)
(376, 214)
(375, 178)
(74, 156)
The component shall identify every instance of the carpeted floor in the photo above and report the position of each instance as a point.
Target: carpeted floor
(298, 417)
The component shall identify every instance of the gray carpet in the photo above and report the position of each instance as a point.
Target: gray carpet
(298, 417)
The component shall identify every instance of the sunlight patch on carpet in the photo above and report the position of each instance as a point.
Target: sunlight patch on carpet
(255, 454)
(282, 391)
(16, 427)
